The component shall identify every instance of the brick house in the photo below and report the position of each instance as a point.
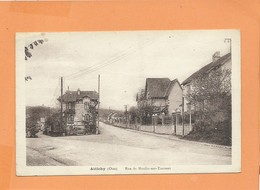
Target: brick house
(162, 93)
(218, 62)
(78, 107)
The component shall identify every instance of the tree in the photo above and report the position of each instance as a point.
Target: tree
(210, 95)
(33, 116)
(133, 112)
(145, 113)
(53, 124)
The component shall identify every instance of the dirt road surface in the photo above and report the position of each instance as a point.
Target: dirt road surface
(116, 146)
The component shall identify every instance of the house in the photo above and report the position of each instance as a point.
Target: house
(218, 62)
(109, 117)
(163, 94)
(79, 107)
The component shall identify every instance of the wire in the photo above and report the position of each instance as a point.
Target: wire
(104, 63)
(93, 66)
(113, 59)
(99, 66)
(54, 94)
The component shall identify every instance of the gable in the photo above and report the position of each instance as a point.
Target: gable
(173, 83)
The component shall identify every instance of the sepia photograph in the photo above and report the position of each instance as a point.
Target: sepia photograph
(128, 102)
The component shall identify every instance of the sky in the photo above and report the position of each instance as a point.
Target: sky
(124, 60)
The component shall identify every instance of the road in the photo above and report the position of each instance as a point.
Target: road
(116, 146)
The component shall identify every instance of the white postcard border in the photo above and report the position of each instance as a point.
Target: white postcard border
(23, 170)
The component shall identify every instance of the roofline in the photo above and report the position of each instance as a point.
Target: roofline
(198, 71)
(171, 84)
(88, 97)
(158, 97)
(75, 91)
(224, 61)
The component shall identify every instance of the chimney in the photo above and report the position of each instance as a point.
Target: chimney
(78, 91)
(68, 90)
(215, 56)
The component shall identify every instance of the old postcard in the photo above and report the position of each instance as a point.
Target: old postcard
(128, 102)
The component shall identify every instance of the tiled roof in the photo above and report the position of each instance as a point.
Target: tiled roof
(208, 67)
(72, 96)
(156, 87)
(159, 87)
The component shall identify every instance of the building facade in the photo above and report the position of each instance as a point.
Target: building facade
(164, 95)
(79, 108)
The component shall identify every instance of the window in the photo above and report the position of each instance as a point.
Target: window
(86, 117)
(71, 105)
(86, 105)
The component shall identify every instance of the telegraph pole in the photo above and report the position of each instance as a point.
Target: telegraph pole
(97, 129)
(183, 115)
(229, 40)
(61, 93)
(126, 115)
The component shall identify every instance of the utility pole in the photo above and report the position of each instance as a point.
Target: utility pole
(229, 40)
(61, 93)
(183, 116)
(190, 114)
(126, 115)
(97, 129)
